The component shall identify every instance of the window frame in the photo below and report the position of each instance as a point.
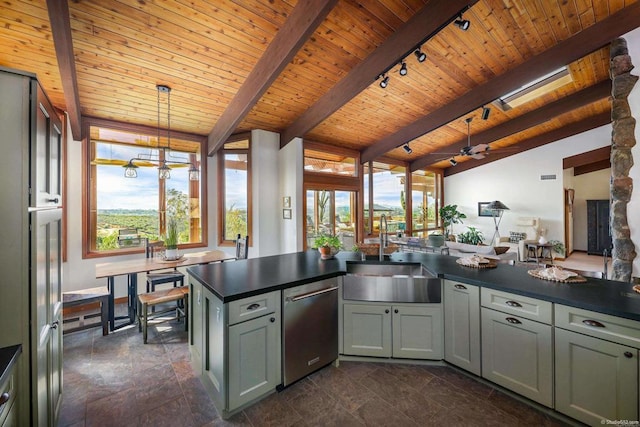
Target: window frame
(88, 183)
(222, 186)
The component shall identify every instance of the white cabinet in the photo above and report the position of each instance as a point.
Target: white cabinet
(517, 353)
(411, 331)
(462, 325)
(236, 347)
(596, 379)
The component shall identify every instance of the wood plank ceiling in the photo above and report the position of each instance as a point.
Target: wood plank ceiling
(205, 51)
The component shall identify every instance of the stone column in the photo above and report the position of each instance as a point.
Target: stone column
(622, 141)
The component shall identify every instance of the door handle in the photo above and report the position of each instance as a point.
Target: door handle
(460, 286)
(55, 324)
(312, 294)
(513, 320)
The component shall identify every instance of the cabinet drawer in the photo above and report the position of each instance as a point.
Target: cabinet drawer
(7, 387)
(252, 307)
(529, 308)
(611, 328)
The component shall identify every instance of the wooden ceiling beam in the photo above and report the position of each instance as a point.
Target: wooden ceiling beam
(422, 26)
(533, 118)
(582, 159)
(537, 141)
(565, 52)
(302, 22)
(592, 167)
(63, 42)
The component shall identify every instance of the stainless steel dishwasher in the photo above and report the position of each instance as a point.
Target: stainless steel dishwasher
(310, 328)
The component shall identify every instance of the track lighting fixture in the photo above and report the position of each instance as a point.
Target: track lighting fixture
(385, 81)
(407, 149)
(403, 69)
(420, 55)
(463, 24)
(453, 161)
(485, 112)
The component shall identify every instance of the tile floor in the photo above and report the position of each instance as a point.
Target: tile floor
(118, 381)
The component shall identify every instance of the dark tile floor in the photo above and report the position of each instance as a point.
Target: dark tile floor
(118, 381)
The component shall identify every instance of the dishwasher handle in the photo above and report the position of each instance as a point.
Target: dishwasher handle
(311, 294)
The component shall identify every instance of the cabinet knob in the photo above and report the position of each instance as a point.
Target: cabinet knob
(628, 354)
(460, 286)
(395, 311)
(273, 319)
(593, 323)
(387, 311)
(513, 320)
(513, 304)
(4, 398)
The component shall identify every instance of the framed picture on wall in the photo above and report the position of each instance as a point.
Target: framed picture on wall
(286, 202)
(286, 213)
(482, 209)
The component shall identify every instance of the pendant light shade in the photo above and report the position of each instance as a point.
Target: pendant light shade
(130, 170)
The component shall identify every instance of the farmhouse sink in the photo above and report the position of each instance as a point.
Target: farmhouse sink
(390, 282)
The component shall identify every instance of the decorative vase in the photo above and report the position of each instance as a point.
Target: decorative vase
(436, 240)
(326, 252)
(542, 240)
(171, 254)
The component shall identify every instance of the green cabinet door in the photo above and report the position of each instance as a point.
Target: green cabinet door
(417, 331)
(254, 359)
(367, 330)
(462, 325)
(596, 380)
(517, 353)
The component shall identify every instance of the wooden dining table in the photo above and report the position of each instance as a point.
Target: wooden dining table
(132, 267)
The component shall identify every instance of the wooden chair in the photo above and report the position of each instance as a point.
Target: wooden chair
(150, 300)
(161, 277)
(242, 247)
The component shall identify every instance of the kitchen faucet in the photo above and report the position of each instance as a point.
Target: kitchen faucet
(383, 236)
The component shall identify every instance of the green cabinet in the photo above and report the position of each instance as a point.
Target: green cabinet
(236, 347)
(412, 331)
(462, 325)
(517, 344)
(596, 357)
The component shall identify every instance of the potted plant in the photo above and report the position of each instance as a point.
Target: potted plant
(327, 245)
(557, 248)
(171, 240)
(450, 215)
(473, 236)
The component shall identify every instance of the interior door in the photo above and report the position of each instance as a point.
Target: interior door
(46, 282)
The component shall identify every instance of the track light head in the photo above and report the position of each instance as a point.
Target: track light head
(463, 24)
(486, 111)
(384, 82)
(403, 69)
(420, 55)
(407, 149)
(453, 161)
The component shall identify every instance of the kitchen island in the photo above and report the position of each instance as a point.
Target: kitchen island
(236, 329)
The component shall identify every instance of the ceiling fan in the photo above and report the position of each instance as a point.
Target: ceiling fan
(479, 151)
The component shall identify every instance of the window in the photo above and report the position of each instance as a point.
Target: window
(425, 202)
(234, 177)
(385, 186)
(331, 186)
(123, 211)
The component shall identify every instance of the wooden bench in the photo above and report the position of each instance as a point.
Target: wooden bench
(151, 299)
(82, 297)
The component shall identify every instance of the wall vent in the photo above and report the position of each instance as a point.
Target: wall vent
(547, 177)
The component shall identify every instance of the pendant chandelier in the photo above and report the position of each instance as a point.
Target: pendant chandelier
(164, 152)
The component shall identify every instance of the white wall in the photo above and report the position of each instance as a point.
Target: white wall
(291, 171)
(515, 181)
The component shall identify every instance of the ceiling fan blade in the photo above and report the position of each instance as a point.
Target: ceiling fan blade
(477, 156)
(480, 148)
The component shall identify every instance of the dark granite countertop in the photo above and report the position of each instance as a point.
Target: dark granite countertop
(235, 280)
(8, 357)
